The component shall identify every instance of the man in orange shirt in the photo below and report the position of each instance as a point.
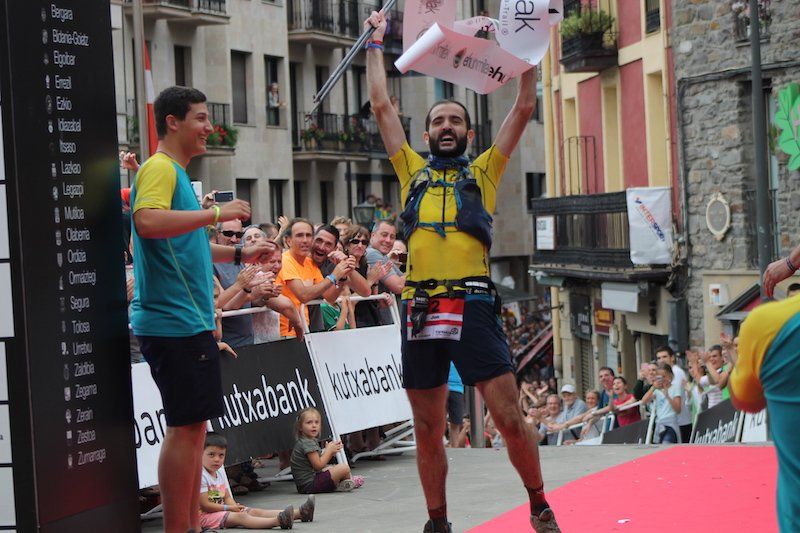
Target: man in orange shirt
(301, 279)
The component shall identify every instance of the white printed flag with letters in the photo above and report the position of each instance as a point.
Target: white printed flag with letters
(650, 224)
(434, 43)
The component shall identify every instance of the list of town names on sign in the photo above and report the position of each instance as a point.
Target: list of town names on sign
(63, 46)
(70, 351)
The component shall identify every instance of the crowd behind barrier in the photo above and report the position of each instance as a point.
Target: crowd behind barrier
(335, 286)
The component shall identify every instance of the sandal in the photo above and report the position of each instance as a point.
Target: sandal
(286, 518)
(307, 510)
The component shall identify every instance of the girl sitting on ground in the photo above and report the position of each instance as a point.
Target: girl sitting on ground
(310, 469)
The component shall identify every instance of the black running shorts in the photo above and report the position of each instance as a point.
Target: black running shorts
(481, 354)
(186, 371)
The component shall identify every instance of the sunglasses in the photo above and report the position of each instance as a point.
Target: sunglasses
(231, 233)
(365, 242)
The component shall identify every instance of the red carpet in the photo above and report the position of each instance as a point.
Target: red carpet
(679, 489)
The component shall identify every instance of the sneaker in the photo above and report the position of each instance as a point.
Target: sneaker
(430, 527)
(307, 510)
(286, 518)
(358, 480)
(545, 522)
(346, 485)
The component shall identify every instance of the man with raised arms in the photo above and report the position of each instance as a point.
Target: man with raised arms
(450, 303)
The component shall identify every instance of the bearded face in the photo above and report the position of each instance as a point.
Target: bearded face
(447, 133)
(448, 143)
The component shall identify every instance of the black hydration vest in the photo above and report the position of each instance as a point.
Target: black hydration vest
(471, 217)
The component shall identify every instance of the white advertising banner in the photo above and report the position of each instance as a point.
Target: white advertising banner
(360, 375)
(650, 223)
(462, 52)
(150, 426)
(755, 427)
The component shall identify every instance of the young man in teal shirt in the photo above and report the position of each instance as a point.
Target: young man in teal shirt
(172, 311)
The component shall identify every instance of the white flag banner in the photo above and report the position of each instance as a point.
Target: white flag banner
(650, 224)
(434, 43)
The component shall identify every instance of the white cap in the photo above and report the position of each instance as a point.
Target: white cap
(568, 388)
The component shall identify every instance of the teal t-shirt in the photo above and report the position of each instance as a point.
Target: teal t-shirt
(780, 379)
(173, 288)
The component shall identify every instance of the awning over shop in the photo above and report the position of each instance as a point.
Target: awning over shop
(738, 308)
(541, 344)
(620, 296)
(513, 295)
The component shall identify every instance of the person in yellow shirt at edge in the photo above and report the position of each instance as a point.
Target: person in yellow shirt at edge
(766, 373)
(450, 303)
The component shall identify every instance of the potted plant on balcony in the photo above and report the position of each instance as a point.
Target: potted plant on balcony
(311, 136)
(353, 138)
(586, 35)
(223, 135)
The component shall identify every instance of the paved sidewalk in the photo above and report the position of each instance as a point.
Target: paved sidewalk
(481, 485)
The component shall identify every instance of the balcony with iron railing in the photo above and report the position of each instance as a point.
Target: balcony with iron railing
(741, 20)
(588, 36)
(589, 240)
(326, 22)
(333, 136)
(223, 140)
(184, 12)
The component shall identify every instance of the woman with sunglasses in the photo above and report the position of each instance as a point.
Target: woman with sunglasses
(355, 242)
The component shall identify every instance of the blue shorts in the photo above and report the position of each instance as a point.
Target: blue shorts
(481, 354)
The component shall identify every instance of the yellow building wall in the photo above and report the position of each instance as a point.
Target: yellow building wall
(651, 50)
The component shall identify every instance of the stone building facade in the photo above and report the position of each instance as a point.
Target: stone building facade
(716, 150)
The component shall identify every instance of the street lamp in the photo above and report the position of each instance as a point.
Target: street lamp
(364, 213)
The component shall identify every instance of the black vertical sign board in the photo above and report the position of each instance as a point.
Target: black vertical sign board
(70, 401)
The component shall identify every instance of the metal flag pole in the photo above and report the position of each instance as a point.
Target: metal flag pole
(341, 68)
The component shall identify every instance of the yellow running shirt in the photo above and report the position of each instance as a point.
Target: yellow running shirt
(459, 255)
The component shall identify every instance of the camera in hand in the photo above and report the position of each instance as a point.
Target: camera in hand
(223, 196)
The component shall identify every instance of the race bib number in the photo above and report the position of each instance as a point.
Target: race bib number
(444, 320)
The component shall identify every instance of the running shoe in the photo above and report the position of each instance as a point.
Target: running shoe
(430, 527)
(307, 510)
(545, 522)
(286, 518)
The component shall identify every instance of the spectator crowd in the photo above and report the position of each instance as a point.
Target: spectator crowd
(335, 261)
(663, 387)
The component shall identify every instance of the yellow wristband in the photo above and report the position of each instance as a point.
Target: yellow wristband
(216, 213)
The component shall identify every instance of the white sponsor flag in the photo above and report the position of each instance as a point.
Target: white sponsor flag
(650, 223)
(360, 374)
(434, 43)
